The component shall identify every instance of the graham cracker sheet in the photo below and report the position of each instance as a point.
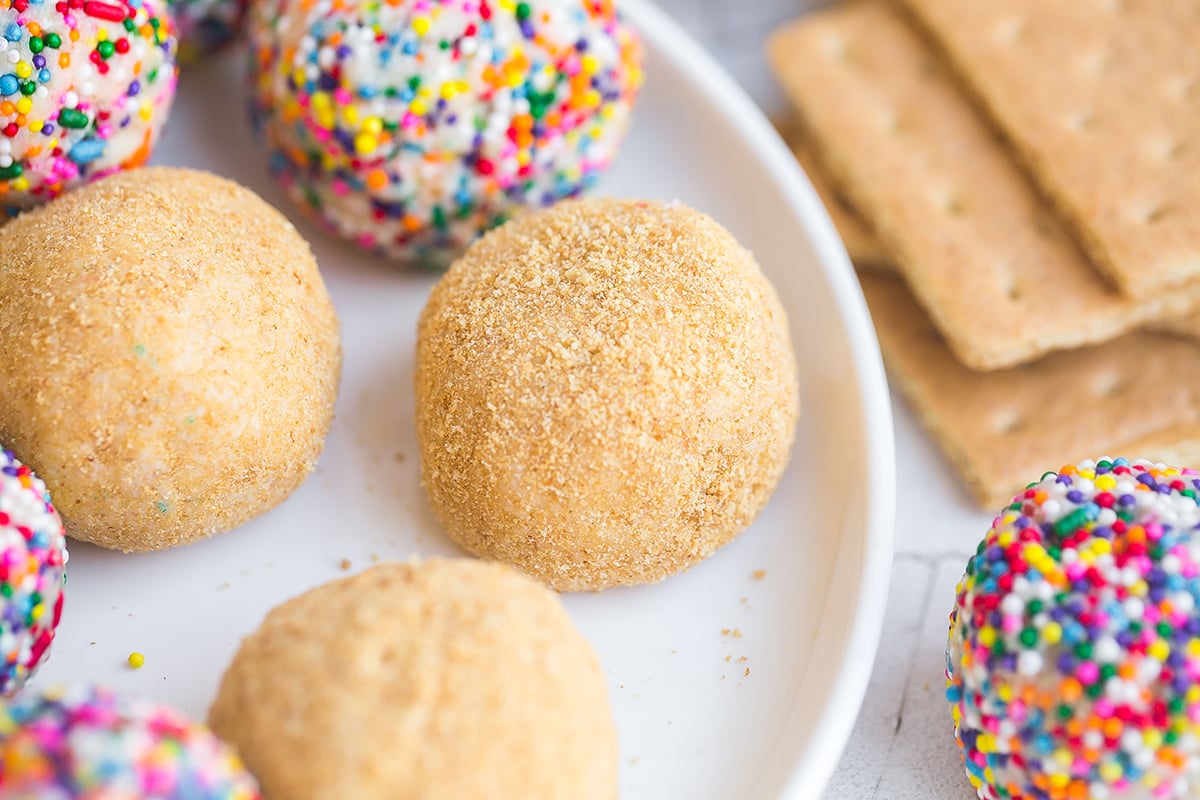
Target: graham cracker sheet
(1134, 396)
(1101, 99)
(984, 253)
(862, 245)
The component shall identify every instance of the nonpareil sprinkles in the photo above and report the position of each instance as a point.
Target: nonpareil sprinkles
(33, 557)
(85, 86)
(1074, 650)
(90, 742)
(411, 126)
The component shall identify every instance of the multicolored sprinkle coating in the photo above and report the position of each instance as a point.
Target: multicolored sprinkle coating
(1073, 664)
(92, 743)
(85, 86)
(206, 25)
(33, 557)
(411, 126)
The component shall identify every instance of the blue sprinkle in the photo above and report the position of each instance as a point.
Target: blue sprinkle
(13, 32)
(9, 84)
(86, 151)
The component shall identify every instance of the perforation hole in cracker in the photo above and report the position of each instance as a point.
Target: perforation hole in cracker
(1012, 30)
(1007, 420)
(1108, 385)
(1080, 121)
(1095, 63)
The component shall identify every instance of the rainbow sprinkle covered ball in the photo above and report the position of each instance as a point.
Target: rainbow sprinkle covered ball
(411, 126)
(92, 743)
(33, 555)
(85, 86)
(1073, 664)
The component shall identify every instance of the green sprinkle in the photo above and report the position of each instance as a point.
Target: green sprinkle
(13, 170)
(6, 589)
(1095, 690)
(1028, 637)
(1084, 650)
(1077, 519)
(72, 118)
(53, 41)
(28, 88)
(1065, 712)
(523, 11)
(190, 419)
(1035, 606)
(161, 506)
(1050, 474)
(1164, 629)
(106, 49)
(139, 349)
(36, 44)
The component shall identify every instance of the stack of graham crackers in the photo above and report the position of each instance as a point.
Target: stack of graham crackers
(1018, 182)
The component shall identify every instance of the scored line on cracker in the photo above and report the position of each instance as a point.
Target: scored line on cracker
(984, 253)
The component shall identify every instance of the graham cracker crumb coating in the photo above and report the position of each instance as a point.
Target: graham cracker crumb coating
(606, 393)
(169, 356)
(439, 680)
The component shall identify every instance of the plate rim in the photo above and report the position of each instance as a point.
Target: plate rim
(812, 771)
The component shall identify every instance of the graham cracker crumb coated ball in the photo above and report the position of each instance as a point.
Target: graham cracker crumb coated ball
(440, 680)
(169, 356)
(606, 393)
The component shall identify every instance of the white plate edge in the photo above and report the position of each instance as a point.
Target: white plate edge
(811, 774)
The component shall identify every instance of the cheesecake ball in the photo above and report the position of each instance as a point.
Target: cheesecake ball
(85, 88)
(169, 356)
(410, 127)
(1074, 650)
(606, 393)
(440, 680)
(90, 742)
(33, 556)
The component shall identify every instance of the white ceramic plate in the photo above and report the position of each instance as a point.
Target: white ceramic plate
(762, 711)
